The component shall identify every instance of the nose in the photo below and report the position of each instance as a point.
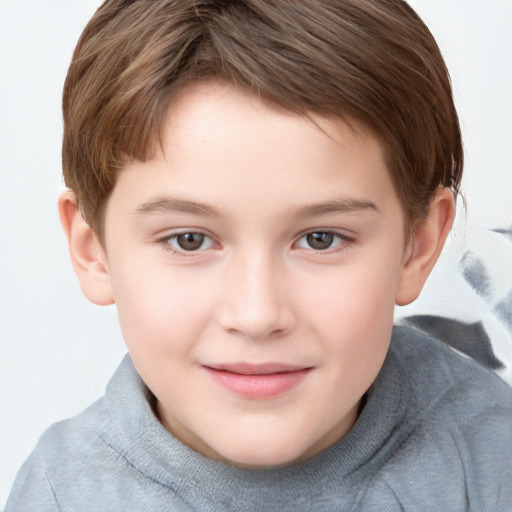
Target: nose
(256, 299)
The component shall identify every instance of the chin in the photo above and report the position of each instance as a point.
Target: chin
(261, 455)
(259, 462)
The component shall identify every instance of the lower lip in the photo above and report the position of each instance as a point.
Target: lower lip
(258, 387)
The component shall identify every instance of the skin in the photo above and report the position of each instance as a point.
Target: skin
(255, 285)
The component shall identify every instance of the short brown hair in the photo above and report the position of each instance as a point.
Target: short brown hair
(373, 60)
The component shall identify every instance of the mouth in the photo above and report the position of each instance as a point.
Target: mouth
(257, 382)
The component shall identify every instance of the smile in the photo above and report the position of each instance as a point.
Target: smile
(257, 382)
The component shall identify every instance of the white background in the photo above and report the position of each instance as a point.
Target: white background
(57, 351)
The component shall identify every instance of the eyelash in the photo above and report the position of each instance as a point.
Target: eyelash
(342, 242)
(180, 251)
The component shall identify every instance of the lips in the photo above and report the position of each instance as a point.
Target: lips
(257, 382)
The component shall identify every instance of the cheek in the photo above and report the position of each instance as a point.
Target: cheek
(161, 311)
(353, 295)
(353, 314)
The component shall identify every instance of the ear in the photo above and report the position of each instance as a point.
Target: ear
(425, 247)
(87, 255)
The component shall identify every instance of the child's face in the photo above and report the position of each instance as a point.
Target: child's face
(254, 264)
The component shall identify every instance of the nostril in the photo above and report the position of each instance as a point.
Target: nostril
(255, 327)
(276, 333)
(254, 302)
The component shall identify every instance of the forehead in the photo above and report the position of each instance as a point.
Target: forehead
(219, 107)
(219, 143)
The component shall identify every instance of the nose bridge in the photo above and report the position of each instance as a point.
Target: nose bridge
(256, 302)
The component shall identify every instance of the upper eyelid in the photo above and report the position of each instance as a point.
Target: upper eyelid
(165, 238)
(344, 244)
(170, 233)
(337, 232)
(181, 231)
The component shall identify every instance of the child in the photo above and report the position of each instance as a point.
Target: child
(255, 184)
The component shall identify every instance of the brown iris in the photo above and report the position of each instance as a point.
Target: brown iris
(190, 241)
(320, 240)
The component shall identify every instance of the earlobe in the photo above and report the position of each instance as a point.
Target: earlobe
(87, 255)
(425, 247)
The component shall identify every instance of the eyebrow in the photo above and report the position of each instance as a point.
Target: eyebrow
(348, 205)
(188, 207)
(175, 205)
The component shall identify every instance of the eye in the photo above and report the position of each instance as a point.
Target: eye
(189, 242)
(321, 240)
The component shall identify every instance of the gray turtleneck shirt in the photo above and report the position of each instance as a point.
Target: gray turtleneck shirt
(435, 434)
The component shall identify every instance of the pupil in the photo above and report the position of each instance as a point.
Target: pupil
(320, 240)
(190, 241)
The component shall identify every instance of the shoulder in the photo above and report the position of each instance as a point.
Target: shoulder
(433, 368)
(98, 457)
(57, 462)
(457, 421)
(443, 386)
